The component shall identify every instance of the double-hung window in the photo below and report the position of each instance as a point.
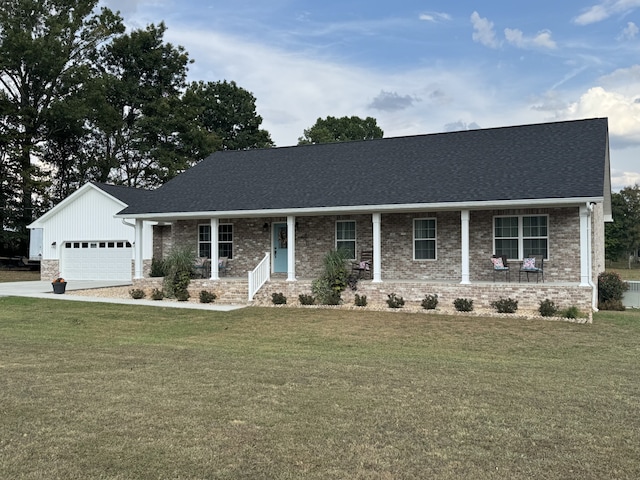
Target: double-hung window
(424, 239)
(346, 237)
(518, 237)
(225, 240)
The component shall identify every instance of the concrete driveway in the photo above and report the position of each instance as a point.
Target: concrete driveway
(45, 290)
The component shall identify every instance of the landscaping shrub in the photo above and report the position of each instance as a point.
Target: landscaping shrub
(157, 294)
(394, 301)
(179, 269)
(571, 312)
(182, 295)
(547, 308)
(463, 304)
(430, 302)
(505, 305)
(207, 297)
(360, 301)
(158, 268)
(612, 305)
(611, 289)
(306, 299)
(137, 293)
(278, 298)
(328, 288)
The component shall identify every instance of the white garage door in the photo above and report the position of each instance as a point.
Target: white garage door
(100, 260)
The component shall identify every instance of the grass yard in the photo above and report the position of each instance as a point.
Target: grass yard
(119, 392)
(17, 275)
(622, 268)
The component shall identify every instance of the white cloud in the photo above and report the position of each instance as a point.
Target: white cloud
(630, 32)
(623, 112)
(483, 31)
(517, 38)
(604, 10)
(435, 16)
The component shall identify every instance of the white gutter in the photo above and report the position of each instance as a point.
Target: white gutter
(341, 210)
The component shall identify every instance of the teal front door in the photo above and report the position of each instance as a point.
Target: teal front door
(280, 247)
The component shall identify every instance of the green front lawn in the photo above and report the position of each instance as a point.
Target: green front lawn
(115, 391)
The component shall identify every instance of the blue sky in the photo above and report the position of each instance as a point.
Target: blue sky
(419, 66)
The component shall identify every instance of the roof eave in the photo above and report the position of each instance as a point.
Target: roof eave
(356, 209)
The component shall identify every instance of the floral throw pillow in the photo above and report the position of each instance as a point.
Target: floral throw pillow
(529, 264)
(497, 262)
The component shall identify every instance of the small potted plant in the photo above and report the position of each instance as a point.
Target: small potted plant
(59, 285)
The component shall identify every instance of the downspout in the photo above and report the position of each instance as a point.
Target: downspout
(594, 290)
(127, 223)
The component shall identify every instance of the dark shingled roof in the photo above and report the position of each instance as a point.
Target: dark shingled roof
(128, 195)
(541, 161)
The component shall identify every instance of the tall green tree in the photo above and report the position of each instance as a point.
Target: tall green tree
(135, 108)
(45, 49)
(332, 129)
(622, 237)
(228, 112)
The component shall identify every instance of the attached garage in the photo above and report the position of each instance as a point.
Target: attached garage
(99, 260)
(82, 239)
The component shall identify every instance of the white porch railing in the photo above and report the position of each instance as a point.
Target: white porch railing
(259, 275)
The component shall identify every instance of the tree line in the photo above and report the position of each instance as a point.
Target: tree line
(82, 99)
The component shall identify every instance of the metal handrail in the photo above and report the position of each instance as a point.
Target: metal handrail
(259, 276)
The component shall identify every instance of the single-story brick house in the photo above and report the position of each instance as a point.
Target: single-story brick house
(432, 208)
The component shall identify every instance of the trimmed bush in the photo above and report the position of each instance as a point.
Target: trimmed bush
(207, 297)
(463, 304)
(306, 299)
(157, 294)
(360, 301)
(505, 305)
(137, 293)
(430, 302)
(182, 295)
(611, 289)
(547, 308)
(571, 312)
(278, 298)
(394, 301)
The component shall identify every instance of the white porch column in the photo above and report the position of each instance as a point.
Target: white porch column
(377, 249)
(585, 247)
(464, 223)
(291, 248)
(138, 251)
(214, 249)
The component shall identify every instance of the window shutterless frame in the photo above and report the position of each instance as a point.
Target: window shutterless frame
(517, 236)
(425, 239)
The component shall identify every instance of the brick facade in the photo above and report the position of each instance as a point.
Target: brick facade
(315, 236)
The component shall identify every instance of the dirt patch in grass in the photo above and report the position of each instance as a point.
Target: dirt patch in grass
(17, 275)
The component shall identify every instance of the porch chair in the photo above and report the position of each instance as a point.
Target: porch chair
(500, 265)
(222, 265)
(533, 264)
(200, 267)
(364, 266)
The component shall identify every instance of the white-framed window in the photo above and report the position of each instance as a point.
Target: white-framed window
(225, 240)
(518, 236)
(346, 236)
(424, 239)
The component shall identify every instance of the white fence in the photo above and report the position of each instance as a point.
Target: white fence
(631, 298)
(259, 275)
